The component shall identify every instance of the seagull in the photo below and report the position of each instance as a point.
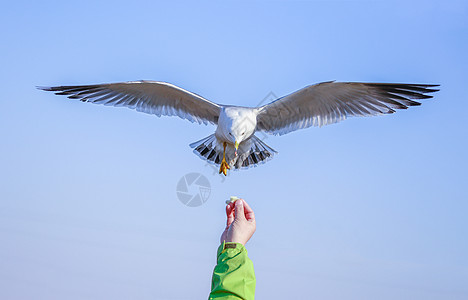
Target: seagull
(234, 144)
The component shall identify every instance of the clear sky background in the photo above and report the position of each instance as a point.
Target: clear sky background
(370, 208)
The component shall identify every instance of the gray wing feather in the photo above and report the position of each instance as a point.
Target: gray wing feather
(152, 97)
(330, 102)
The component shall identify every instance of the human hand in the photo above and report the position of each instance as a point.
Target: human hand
(240, 225)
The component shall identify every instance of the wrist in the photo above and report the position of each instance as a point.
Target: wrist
(235, 241)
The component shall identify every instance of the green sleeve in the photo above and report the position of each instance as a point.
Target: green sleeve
(233, 276)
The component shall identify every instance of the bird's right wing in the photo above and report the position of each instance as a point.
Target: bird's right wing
(331, 102)
(152, 97)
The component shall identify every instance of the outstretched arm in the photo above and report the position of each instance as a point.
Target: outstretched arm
(233, 276)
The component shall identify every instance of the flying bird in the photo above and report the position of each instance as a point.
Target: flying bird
(234, 144)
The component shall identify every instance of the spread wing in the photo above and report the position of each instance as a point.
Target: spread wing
(330, 102)
(152, 97)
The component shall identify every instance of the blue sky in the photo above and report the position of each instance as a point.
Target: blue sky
(370, 208)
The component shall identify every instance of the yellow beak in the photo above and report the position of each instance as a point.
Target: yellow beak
(236, 145)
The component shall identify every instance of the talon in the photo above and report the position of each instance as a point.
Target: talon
(224, 165)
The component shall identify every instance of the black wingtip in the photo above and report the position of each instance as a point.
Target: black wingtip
(428, 88)
(43, 88)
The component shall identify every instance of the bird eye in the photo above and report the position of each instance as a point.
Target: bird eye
(230, 133)
(243, 133)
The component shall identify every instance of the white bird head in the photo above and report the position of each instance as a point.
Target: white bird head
(236, 124)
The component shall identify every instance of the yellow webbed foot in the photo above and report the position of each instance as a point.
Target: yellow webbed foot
(224, 165)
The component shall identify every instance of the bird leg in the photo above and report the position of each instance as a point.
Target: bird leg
(224, 165)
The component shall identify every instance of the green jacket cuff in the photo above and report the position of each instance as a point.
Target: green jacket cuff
(230, 249)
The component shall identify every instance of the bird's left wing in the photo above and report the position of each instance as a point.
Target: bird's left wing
(152, 97)
(331, 102)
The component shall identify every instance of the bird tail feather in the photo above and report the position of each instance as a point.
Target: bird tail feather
(206, 149)
(251, 152)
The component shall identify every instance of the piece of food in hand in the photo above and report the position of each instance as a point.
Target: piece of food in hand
(232, 199)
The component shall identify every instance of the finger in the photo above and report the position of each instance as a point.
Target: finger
(230, 211)
(229, 208)
(239, 209)
(248, 211)
(229, 214)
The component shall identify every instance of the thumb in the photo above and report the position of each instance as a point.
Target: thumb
(240, 209)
